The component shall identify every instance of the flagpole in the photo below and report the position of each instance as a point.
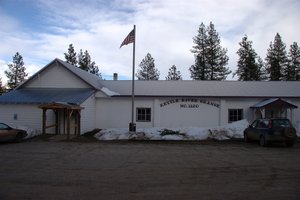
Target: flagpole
(132, 125)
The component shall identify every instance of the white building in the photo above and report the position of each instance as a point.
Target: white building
(61, 98)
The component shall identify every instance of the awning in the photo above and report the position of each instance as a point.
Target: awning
(275, 102)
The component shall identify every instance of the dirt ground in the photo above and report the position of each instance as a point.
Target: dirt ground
(42, 169)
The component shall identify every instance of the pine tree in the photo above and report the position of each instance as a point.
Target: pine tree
(84, 60)
(93, 68)
(147, 69)
(247, 66)
(292, 72)
(210, 57)
(173, 74)
(261, 70)
(276, 60)
(199, 70)
(2, 89)
(216, 55)
(16, 73)
(85, 63)
(71, 56)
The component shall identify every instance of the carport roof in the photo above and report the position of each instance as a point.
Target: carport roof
(46, 95)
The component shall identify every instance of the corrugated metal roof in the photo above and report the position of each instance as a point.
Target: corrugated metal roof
(46, 95)
(268, 89)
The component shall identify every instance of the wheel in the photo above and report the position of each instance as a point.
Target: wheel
(19, 137)
(289, 132)
(262, 141)
(246, 138)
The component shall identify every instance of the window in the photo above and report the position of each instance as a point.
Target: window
(143, 114)
(235, 115)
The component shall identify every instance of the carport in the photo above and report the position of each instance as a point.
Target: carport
(275, 107)
(66, 114)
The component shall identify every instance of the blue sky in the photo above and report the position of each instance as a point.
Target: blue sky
(42, 30)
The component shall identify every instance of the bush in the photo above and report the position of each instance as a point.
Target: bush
(170, 132)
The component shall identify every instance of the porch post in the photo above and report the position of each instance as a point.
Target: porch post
(44, 120)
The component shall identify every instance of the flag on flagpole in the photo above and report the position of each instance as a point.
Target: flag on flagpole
(129, 39)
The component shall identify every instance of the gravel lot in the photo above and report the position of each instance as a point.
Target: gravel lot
(40, 170)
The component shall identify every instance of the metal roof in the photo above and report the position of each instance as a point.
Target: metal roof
(267, 89)
(274, 101)
(164, 88)
(46, 95)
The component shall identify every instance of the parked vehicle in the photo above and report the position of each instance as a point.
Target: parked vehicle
(8, 133)
(267, 131)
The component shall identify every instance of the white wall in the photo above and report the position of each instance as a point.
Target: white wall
(113, 112)
(169, 112)
(296, 115)
(57, 76)
(88, 115)
(116, 113)
(177, 112)
(27, 115)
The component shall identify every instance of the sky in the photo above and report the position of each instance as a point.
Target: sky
(42, 30)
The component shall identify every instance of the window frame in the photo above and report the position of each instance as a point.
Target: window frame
(143, 114)
(236, 116)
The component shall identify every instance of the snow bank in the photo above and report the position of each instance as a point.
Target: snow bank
(31, 132)
(229, 131)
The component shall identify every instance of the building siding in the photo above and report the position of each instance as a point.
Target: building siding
(27, 115)
(56, 76)
(88, 115)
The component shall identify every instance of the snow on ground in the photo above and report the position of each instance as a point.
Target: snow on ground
(31, 132)
(229, 131)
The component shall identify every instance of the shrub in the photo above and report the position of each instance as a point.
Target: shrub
(170, 132)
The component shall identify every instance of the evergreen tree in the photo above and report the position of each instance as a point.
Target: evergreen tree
(93, 68)
(16, 73)
(292, 72)
(247, 66)
(210, 57)
(71, 56)
(2, 88)
(85, 63)
(173, 74)
(276, 60)
(216, 55)
(199, 70)
(261, 70)
(84, 60)
(147, 69)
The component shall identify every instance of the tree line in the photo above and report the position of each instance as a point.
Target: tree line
(210, 62)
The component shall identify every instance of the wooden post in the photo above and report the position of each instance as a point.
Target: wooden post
(64, 114)
(44, 120)
(79, 121)
(56, 121)
(68, 124)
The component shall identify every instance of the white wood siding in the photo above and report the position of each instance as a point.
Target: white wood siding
(113, 112)
(57, 76)
(88, 115)
(27, 115)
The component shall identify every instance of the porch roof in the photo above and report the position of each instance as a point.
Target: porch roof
(274, 102)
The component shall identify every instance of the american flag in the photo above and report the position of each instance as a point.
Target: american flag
(129, 39)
